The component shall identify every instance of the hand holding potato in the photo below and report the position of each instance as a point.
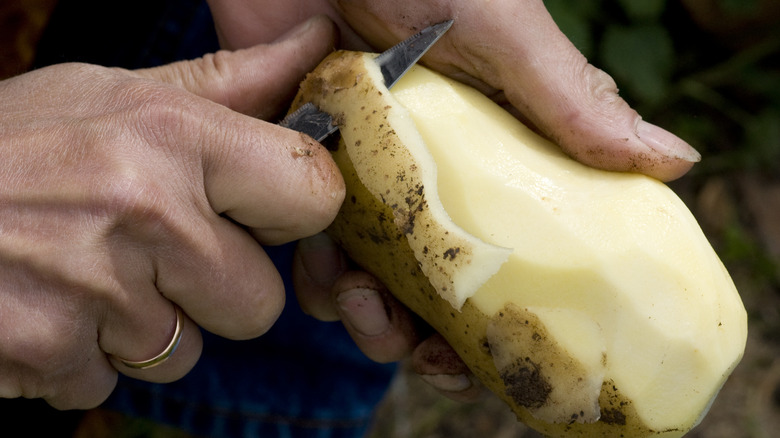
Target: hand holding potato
(511, 51)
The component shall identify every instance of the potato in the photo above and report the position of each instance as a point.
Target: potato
(589, 301)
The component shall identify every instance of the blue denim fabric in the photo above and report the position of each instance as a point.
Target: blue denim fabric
(304, 378)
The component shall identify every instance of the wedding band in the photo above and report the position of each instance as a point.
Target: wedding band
(162, 357)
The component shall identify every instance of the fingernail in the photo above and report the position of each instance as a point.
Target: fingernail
(666, 143)
(364, 310)
(322, 259)
(448, 382)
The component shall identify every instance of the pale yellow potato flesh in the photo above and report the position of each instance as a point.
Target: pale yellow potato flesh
(611, 316)
(622, 248)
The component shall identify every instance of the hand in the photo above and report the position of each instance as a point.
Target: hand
(123, 193)
(509, 49)
(381, 327)
(512, 51)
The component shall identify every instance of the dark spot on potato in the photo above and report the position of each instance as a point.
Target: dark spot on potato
(613, 416)
(451, 253)
(525, 383)
(484, 346)
(378, 239)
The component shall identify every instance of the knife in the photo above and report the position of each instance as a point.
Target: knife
(393, 63)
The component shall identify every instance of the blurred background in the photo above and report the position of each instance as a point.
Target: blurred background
(707, 70)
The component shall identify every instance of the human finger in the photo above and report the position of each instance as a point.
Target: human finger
(437, 363)
(244, 23)
(243, 157)
(383, 329)
(386, 331)
(274, 183)
(69, 372)
(317, 264)
(226, 282)
(514, 49)
(257, 79)
(167, 355)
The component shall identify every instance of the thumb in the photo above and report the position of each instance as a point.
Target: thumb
(577, 105)
(258, 81)
(280, 184)
(516, 47)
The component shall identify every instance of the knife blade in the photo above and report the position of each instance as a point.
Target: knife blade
(393, 63)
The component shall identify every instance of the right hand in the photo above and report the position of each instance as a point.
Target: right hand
(124, 192)
(511, 50)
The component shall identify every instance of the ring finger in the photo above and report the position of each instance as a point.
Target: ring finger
(142, 326)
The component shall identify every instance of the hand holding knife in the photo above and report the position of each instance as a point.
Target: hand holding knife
(393, 63)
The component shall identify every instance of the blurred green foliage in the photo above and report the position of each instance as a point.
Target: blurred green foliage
(721, 93)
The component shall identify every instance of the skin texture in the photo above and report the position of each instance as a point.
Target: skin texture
(123, 192)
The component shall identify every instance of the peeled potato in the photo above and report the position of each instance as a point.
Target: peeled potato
(589, 301)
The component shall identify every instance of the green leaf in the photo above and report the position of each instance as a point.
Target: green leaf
(739, 7)
(573, 18)
(760, 82)
(762, 138)
(640, 58)
(643, 10)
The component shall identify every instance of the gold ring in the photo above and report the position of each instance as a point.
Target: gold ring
(162, 357)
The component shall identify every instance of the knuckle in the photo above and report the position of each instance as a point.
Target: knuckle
(149, 171)
(210, 66)
(163, 115)
(594, 113)
(155, 111)
(131, 196)
(600, 85)
(267, 311)
(257, 313)
(130, 199)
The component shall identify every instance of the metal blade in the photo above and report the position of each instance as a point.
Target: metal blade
(393, 63)
(311, 121)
